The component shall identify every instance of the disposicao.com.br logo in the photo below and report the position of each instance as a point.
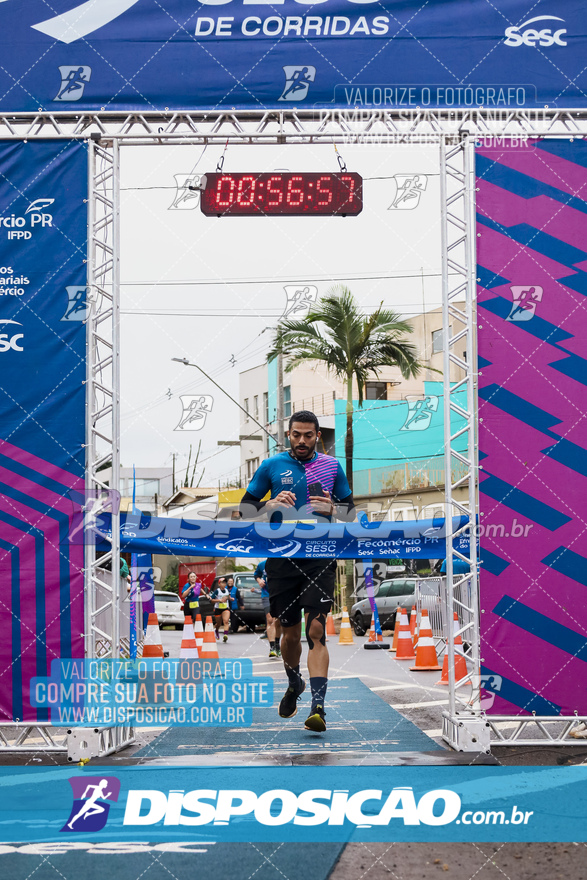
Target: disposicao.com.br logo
(313, 807)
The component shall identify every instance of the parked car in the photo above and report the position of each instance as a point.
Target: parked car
(252, 614)
(389, 596)
(169, 608)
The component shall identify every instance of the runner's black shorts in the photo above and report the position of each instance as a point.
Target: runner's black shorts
(300, 584)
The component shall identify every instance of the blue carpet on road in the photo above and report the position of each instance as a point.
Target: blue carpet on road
(144, 861)
(357, 720)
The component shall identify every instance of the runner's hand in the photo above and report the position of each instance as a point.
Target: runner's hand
(284, 499)
(322, 504)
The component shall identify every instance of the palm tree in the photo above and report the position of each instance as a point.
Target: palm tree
(351, 344)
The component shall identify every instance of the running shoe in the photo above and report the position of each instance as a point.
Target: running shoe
(224, 638)
(288, 706)
(278, 652)
(315, 720)
(273, 653)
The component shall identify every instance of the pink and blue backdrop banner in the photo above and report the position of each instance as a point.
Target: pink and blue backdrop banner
(43, 240)
(532, 326)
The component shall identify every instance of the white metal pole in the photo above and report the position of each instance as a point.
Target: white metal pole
(89, 539)
(115, 482)
(472, 448)
(448, 508)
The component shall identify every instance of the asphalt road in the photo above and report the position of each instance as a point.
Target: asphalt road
(415, 694)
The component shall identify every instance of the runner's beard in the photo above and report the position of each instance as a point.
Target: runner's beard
(307, 454)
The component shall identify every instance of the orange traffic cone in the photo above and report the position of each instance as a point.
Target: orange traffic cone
(414, 625)
(405, 649)
(330, 630)
(152, 646)
(460, 662)
(398, 615)
(209, 651)
(188, 648)
(373, 637)
(346, 633)
(425, 652)
(199, 633)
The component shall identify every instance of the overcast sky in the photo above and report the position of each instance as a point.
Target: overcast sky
(211, 323)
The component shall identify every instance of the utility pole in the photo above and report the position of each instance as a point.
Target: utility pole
(280, 407)
(173, 454)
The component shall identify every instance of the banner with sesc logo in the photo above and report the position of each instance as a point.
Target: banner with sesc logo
(71, 55)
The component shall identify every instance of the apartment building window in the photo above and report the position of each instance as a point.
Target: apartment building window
(247, 409)
(145, 486)
(375, 390)
(287, 401)
(256, 406)
(266, 407)
(438, 340)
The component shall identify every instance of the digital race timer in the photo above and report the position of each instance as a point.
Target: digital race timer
(280, 194)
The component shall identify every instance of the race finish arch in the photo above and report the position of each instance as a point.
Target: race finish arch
(84, 79)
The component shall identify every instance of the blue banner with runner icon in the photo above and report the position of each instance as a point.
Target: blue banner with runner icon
(70, 56)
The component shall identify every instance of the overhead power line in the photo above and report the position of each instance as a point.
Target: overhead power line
(273, 280)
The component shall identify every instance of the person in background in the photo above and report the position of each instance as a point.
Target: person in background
(459, 566)
(273, 625)
(190, 594)
(234, 604)
(124, 570)
(206, 604)
(221, 598)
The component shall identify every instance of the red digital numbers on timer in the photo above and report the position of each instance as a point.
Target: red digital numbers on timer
(274, 191)
(282, 194)
(295, 193)
(244, 190)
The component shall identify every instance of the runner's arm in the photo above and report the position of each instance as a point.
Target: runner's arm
(251, 504)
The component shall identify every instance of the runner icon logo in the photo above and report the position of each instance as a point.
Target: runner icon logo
(77, 303)
(297, 82)
(195, 409)
(300, 300)
(490, 686)
(74, 79)
(420, 413)
(409, 189)
(525, 298)
(187, 191)
(90, 802)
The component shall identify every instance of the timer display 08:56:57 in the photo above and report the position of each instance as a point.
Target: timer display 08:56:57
(303, 194)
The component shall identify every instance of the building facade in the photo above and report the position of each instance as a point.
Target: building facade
(399, 427)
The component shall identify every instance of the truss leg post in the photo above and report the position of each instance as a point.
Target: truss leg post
(84, 743)
(466, 733)
(464, 727)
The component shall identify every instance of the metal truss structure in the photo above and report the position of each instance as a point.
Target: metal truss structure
(102, 594)
(465, 726)
(351, 125)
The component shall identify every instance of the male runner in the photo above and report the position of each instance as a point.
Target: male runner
(304, 484)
